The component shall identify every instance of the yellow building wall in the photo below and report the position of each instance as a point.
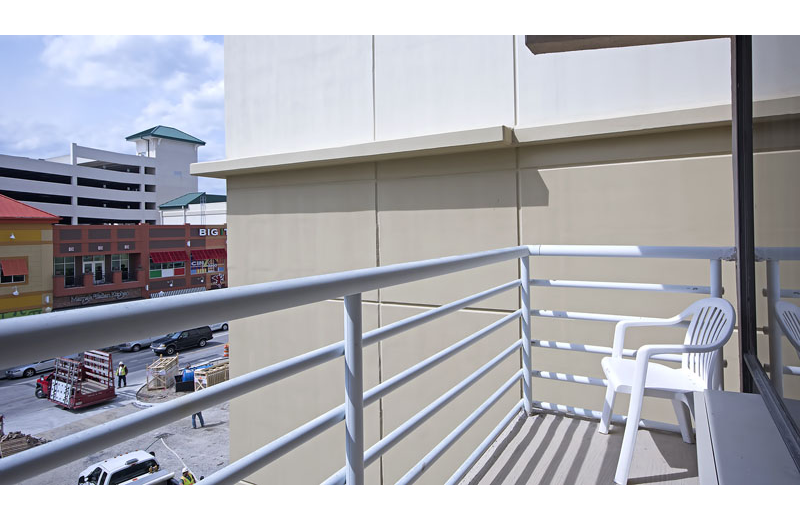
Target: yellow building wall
(34, 242)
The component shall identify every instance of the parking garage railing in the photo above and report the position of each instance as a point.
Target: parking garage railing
(56, 334)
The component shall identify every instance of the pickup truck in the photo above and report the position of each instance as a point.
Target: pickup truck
(134, 468)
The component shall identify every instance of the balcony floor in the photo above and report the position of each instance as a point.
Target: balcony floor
(550, 448)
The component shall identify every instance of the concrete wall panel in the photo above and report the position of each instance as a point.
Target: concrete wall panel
(430, 217)
(433, 84)
(288, 93)
(283, 232)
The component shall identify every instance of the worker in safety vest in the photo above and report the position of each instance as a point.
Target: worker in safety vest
(187, 479)
(122, 371)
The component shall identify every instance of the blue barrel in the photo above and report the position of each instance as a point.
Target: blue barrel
(188, 375)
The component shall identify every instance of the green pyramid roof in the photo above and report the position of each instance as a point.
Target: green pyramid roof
(166, 132)
(192, 198)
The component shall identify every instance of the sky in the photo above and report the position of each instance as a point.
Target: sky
(96, 90)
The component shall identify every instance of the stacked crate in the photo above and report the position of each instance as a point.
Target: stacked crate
(161, 373)
(214, 375)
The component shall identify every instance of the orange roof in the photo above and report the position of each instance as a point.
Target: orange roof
(10, 209)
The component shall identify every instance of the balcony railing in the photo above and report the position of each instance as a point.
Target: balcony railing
(47, 336)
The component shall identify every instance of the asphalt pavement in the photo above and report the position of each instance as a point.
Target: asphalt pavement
(24, 412)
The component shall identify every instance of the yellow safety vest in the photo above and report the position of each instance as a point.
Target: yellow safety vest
(188, 480)
(122, 371)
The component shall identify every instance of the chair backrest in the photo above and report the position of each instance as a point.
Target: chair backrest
(711, 327)
(789, 318)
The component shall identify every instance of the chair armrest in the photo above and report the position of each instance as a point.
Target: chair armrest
(647, 351)
(622, 326)
(644, 354)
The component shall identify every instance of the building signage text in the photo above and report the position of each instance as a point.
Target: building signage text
(84, 299)
(212, 232)
(204, 266)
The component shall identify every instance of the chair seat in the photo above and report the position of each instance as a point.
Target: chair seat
(661, 380)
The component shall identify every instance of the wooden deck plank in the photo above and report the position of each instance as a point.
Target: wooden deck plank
(551, 448)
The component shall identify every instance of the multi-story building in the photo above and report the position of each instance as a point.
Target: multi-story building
(91, 186)
(422, 147)
(26, 259)
(195, 208)
(107, 264)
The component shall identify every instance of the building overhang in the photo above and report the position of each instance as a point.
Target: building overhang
(494, 138)
(551, 43)
(437, 144)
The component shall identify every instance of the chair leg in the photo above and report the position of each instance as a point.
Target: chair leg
(608, 407)
(629, 438)
(684, 420)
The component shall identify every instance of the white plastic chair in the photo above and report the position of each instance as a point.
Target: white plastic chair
(789, 318)
(710, 328)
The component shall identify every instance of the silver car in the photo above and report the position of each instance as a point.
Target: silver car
(31, 368)
(138, 344)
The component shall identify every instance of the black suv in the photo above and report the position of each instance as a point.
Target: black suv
(176, 341)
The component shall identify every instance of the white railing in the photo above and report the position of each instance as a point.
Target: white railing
(51, 335)
(774, 293)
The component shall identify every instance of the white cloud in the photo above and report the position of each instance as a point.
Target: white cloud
(131, 62)
(199, 112)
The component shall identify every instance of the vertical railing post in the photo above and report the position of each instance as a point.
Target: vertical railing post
(775, 353)
(525, 305)
(715, 282)
(353, 390)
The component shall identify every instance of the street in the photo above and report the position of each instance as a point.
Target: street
(24, 412)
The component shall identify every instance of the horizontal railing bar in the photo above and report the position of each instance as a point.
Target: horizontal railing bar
(397, 327)
(456, 477)
(593, 316)
(595, 349)
(398, 434)
(48, 456)
(381, 390)
(696, 253)
(785, 293)
(790, 293)
(586, 380)
(56, 334)
(256, 460)
(594, 414)
(777, 253)
(428, 460)
(792, 371)
(656, 287)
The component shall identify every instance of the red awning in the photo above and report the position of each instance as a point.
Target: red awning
(209, 254)
(14, 267)
(168, 256)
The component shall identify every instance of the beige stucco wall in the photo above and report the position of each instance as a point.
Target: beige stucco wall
(669, 188)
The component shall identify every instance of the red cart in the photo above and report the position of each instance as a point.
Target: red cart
(78, 383)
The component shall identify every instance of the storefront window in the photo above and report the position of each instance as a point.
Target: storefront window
(165, 269)
(17, 278)
(65, 266)
(120, 263)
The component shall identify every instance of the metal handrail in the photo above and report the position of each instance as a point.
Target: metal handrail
(44, 336)
(50, 335)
